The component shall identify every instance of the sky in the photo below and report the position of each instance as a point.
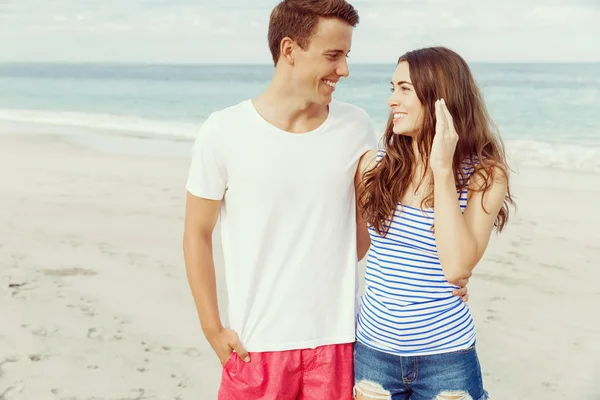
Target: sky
(234, 31)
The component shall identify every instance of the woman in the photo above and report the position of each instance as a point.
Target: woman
(431, 198)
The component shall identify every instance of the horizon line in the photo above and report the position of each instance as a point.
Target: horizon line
(143, 63)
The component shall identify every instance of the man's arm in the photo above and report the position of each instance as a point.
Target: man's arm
(200, 219)
(363, 240)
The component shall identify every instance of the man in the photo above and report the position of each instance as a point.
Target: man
(279, 170)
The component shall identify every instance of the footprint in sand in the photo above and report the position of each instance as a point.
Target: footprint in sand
(37, 357)
(43, 331)
(73, 240)
(550, 266)
(8, 392)
(86, 310)
(141, 394)
(8, 286)
(525, 240)
(22, 290)
(136, 259)
(7, 360)
(118, 335)
(191, 353)
(498, 278)
(68, 272)
(515, 254)
(188, 351)
(548, 385)
(500, 260)
(106, 248)
(148, 348)
(18, 257)
(123, 320)
(95, 334)
(89, 311)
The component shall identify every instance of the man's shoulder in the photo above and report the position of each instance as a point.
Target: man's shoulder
(226, 115)
(224, 123)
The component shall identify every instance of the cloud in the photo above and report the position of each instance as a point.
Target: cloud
(561, 15)
(235, 30)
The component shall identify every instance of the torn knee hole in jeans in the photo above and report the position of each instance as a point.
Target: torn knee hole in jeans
(371, 390)
(453, 395)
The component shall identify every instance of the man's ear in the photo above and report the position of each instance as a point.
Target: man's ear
(287, 49)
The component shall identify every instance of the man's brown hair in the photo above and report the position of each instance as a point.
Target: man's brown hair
(298, 19)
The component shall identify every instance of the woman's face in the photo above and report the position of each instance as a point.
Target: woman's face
(406, 108)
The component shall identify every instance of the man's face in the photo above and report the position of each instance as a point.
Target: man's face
(320, 66)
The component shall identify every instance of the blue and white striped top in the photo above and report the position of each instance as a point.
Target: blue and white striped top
(408, 308)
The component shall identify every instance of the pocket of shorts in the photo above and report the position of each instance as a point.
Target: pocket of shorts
(231, 364)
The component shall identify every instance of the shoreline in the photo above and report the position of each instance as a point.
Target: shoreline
(524, 154)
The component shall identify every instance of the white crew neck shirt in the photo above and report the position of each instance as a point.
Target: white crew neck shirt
(288, 222)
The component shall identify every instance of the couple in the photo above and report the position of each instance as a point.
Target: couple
(303, 193)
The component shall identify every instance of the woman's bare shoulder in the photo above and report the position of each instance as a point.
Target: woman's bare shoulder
(368, 161)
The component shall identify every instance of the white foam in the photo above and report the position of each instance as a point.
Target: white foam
(521, 153)
(125, 124)
(569, 157)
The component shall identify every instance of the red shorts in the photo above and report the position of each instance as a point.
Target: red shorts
(324, 373)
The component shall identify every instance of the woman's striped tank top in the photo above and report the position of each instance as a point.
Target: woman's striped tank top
(408, 308)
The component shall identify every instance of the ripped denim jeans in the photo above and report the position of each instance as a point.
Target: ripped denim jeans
(383, 376)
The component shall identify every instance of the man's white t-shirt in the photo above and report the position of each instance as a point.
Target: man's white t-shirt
(288, 222)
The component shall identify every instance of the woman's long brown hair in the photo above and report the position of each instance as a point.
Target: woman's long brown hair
(436, 72)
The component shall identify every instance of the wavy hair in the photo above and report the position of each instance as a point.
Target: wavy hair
(436, 72)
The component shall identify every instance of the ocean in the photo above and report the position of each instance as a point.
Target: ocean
(547, 113)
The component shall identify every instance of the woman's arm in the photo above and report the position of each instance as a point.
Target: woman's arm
(461, 239)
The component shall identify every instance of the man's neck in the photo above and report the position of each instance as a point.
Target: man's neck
(282, 107)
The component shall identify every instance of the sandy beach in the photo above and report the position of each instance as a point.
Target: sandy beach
(94, 303)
